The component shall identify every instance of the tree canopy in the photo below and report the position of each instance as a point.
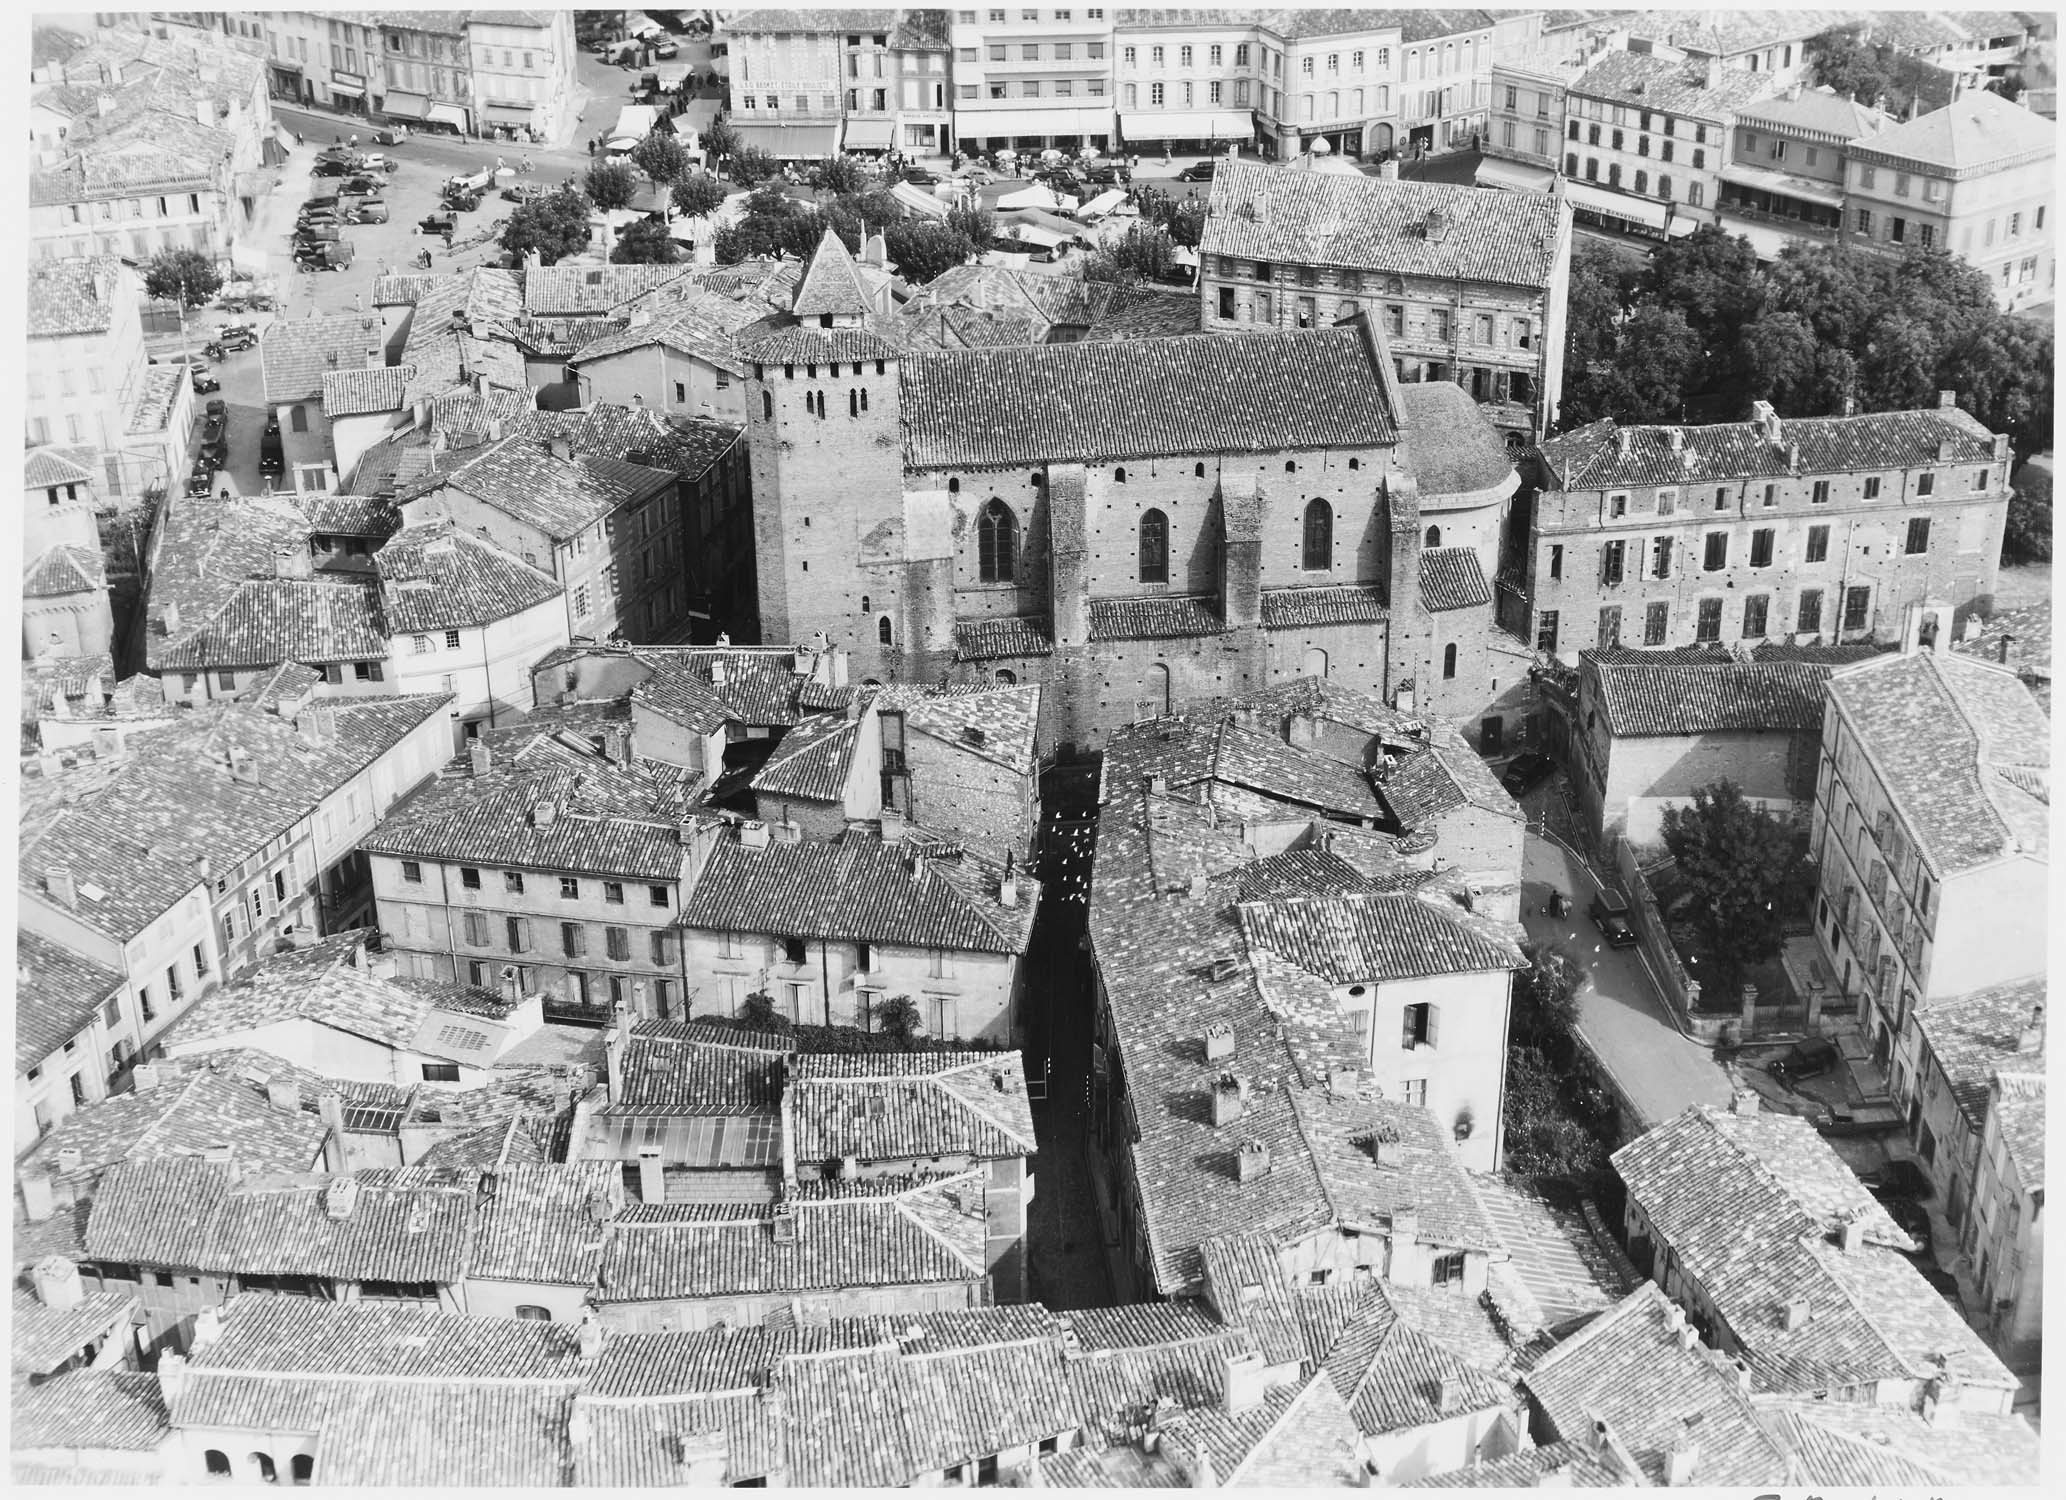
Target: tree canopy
(662, 156)
(1741, 864)
(555, 226)
(609, 184)
(698, 194)
(644, 242)
(923, 248)
(184, 276)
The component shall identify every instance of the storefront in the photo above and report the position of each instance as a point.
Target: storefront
(1621, 213)
(452, 116)
(790, 142)
(286, 82)
(1034, 130)
(400, 104)
(1190, 131)
(348, 93)
(870, 135)
(507, 121)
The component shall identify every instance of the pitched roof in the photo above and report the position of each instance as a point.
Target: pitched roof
(1337, 604)
(266, 621)
(1271, 213)
(295, 353)
(1642, 698)
(1003, 636)
(49, 465)
(1596, 457)
(884, 1232)
(1642, 1370)
(711, 1072)
(57, 993)
(1976, 132)
(331, 513)
(1426, 1181)
(1679, 88)
(363, 392)
(1451, 447)
(1366, 937)
(860, 889)
(1820, 112)
(65, 298)
(184, 1116)
(887, 1106)
(87, 1411)
(687, 445)
(65, 569)
(803, 346)
(832, 283)
(565, 291)
(1748, 1205)
(1098, 402)
(1981, 790)
(437, 576)
(1973, 1034)
(561, 497)
(42, 1337)
(811, 761)
(1452, 578)
(1862, 1444)
(543, 1221)
(2018, 1108)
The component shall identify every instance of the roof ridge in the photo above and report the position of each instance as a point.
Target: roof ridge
(902, 1202)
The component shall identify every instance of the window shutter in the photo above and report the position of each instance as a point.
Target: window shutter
(1407, 1035)
(1434, 1013)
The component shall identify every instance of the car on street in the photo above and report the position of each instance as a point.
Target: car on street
(375, 162)
(920, 176)
(203, 379)
(331, 166)
(215, 430)
(980, 176)
(1900, 1177)
(1104, 174)
(311, 234)
(393, 137)
(1198, 171)
(272, 451)
(217, 407)
(1609, 912)
(461, 200)
(360, 185)
(1058, 181)
(324, 255)
(1811, 1057)
(1526, 772)
(237, 336)
(438, 223)
(201, 480)
(522, 192)
(372, 211)
(668, 48)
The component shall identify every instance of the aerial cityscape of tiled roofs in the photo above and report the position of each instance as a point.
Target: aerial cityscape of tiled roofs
(1012, 747)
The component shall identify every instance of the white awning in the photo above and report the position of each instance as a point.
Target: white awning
(869, 135)
(351, 90)
(1102, 204)
(401, 104)
(1767, 239)
(1495, 173)
(451, 114)
(1188, 125)
(790, 142)
(989, 124)
(917, 199)
(1679, 228)
(1600, 200)
(1785, 184)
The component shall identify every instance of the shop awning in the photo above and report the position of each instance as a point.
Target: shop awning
(403, 105)
(1614, 205)
(870, 135)
(349, 90)
(791, 142)
(990, 124)
(1494, 173)
(1679, 228)
(1769, 240)
(508, 114)
(449, 114)
(1785, 184)
(1188, 125)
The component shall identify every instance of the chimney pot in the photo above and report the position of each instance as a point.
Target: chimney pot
(1252, 1161)
(1794, 1315)
(1219, 1041)
(39, 1196)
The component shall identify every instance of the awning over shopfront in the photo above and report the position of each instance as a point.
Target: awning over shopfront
(1613, 205)
(1769, 240)
(1679, 228)
(508, 114)
(1495, 173)
(791, 142)
(870, 135)
(1188, 125)
(400, 104)
(450, 114)
(995, 124)
(349, 90)
(1785, 184)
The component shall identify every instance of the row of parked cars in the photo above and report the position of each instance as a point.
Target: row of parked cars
(348, 188)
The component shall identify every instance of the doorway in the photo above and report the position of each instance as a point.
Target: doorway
(1491, 736)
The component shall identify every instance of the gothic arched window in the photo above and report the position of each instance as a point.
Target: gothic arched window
(1154, 547)
(1319, 536)
(997, 543)
(1433, 538)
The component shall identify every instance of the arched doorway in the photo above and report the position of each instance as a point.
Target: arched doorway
(1158, 698)
(1315, 664)
(1380, 138)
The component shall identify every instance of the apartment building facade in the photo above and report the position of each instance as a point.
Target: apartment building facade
(1191, 80)
(427, 75)
(329, 61)
(789, 76)
(1030, 77)
(523, 72)
(1784, 179)
(1772, 529)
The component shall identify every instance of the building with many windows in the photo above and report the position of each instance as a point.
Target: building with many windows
(1030, 77)
(790, 75)
(1976, 178)
(1646, 136)
(1815, 529)
(329, 61)
(1192, 79)
(1784, 180)
(523, 72)
(1467, 284)
(427, 74)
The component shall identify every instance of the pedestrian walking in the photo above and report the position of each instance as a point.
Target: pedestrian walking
(355, 138)
(591, 145)
(297, 138)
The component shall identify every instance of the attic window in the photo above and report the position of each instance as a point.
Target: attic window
(973, 735)
(595, 278)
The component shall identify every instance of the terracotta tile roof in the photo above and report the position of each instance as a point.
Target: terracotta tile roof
(171, 799)
(1973, 1034)
(57, 993)
(567, 291)
(1364, 938)
(1452, 578)
(1428, 1178)
(1643, 698)
(1106, 401)
(1632, 1368)
(2027, 635)
(693, 321)
(1395, 1377)
(42, 1337)
(1299, 217)
(561, 497)
(46, 466)
(805, 346)
(64, 297)
(88, 1410)
(362, 392)
(831, 283)
(1340, 604)
(65, 569)
(1679, 88)
(401, 288)
(1157, 617)
(1865, 1445)
(860, 889)
(1451, 447)
(2019, 1120)
(1748, 1205)
(1821, 113)
(1828, 654)
(1560, 1463)
(997, 724)
(295, 353)
(721, 1073)
(891, 1106)
(1979, 793)
(1593, 457)
(334, 514)
(544, 1222)
(812, 761)
(686, 445)
(271, 620)
(1265, 763)
(436, 576)
(1977, 132)
(886, 1232)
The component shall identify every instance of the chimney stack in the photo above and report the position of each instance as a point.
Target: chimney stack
(1229, 1098)
(39, 1196)
(1680, 1461)
(340, 1197)
(479, 758)
(2031, 1038)
(892, 826)
(1242, 1384)
(57, 1283)
(62, 884)
(283, 1094)
(1794, 1315)
(1747, 1102)
(783, 1224)
(652, 1176)
(1947, 400)
(2001, 650)
(1252, 1162)
(1851, 1233)
(1219, 1041)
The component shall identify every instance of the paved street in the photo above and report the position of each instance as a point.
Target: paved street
(1622, 1018)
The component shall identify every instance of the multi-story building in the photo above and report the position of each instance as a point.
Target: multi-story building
(1143, 557)
(1975, 178)
(1445, 72)
(1784, 180)
(64, 599)
(2005, 1233)
(1646, 136)
(426, 70)
(523, 72)
(789, 75)
(1816, 529)
(1831, 1276)
(1031, 77)
(90, 386)
(922, 54)
(326, 60)
(1195, 79)
(1930, 867)
(147, 145)
(1525, 125)
(1467, 284)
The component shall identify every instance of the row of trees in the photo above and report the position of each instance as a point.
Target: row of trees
(774, 223)
(1701, 331)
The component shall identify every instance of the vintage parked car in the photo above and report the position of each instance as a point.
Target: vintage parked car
(438, 223)
(201, 479)
(203, 379)
(215, 430)
(1199, 171)
(1526, 772)
(237, 336)
(522, 192)
(1609, 912)
(1809, 1058)
(372, 211)
(217, 407)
